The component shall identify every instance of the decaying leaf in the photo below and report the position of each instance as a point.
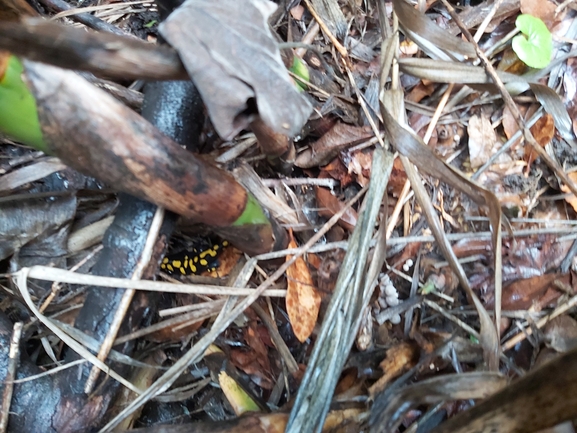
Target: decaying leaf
(340, 137)
(400, 358)
(561, 333)
(330, 205)
(482, 139)
(302, 298)
(230, 54)
(571, 199)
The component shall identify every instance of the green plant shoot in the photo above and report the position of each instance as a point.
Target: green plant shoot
(535, 46)
(299, 68)
(18, 112)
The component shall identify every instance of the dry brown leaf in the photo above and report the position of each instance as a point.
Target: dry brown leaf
(482, 140)
(571, 199)
(543, 131)
(543, 9)
(561, 333)
(330, 205)
(521, 294)
(338, 138)
(399, 359)
(302, 299)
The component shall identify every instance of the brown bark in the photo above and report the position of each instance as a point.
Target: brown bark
(104, 54)
(12, 10)
(92, 132)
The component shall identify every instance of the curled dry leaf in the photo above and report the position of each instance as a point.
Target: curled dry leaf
(232, 57)
(302, 299)
(338, 138)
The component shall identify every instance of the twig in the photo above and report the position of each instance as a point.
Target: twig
(47, 273)
(540, 323)
(10, 375)
(87, 19)
(340, 48)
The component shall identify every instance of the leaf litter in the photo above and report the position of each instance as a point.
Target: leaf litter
(457, 157)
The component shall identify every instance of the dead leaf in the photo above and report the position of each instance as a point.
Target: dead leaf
(302, 298)
(521, 294)
(543, 9)
(543, 131)
(232, 57)
(340, 137)
(360, 164)
(433, 40)
(482, 140)
(400, 358)
(249, 362)
(337, 170)
(571, 199)
(561, 333)
(330, 205)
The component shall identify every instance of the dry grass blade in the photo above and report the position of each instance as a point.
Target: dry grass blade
(41, 168)
(227, 316)
(334, 341)
(52, 274)
(417, 153)
(435, 390)
(443, 71)
(22, 283)
(433, 40)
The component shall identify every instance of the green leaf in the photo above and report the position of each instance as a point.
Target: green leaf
(252, 214)
(536, 46)
(299, 68)
(18, 112)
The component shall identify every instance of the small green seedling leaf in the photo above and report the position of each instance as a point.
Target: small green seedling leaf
(18, 112)
(535, 46)
(301, 71)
